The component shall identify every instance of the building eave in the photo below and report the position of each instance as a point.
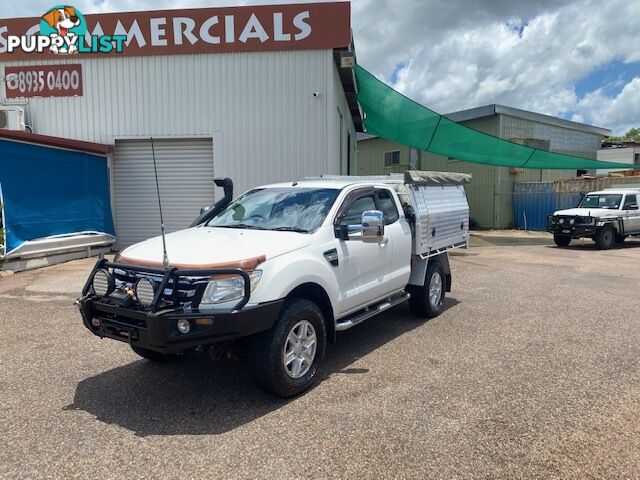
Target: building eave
(349, 84)
(496, 109)
(55, 142)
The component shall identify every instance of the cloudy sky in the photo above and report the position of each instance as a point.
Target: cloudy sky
(578, 59)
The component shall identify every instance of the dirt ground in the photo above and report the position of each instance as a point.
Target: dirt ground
(532, 371)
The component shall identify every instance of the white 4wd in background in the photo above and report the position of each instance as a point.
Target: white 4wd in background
(607, 216)
(283, 268)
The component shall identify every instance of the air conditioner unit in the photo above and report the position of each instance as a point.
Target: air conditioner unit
(12, 118)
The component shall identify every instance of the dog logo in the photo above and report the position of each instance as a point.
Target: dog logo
(63, 23)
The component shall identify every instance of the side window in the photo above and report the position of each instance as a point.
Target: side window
(388, 207)
(353, 216)
(630, 200)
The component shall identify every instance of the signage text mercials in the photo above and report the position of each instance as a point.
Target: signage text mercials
(64, 30)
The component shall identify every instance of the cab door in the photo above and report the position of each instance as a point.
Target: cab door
(361, 266)
(367, 272)
(631, 214)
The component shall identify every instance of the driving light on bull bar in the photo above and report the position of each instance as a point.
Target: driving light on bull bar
(184, 326)
(102, 283)
(145, 292)
(228, 288)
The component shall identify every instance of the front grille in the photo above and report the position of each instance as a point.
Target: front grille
(574, 220)
(177, 293)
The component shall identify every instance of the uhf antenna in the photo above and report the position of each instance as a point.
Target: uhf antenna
(165, 258)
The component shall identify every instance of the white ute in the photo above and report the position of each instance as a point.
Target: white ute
(607, 216)
(284, 267)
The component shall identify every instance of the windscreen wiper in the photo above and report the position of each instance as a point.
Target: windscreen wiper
(290, 229)
(240, 225)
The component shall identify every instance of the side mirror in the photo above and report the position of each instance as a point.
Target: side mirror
(371, 229)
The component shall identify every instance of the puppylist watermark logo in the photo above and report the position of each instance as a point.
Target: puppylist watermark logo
(63, 30)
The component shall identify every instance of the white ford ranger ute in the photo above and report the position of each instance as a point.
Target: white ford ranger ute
(607, 217)
(281, 269)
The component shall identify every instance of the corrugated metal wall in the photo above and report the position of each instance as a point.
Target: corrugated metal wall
(481, 192)
(532, 203)
(259, 108)
(371, 157)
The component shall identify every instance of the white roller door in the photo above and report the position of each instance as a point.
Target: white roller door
(185, 173)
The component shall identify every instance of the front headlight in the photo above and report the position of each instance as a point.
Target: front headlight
(588, 220)
(229, 288)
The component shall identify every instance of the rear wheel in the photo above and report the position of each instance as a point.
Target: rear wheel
(427, 301)
(156, 357)
(285, 360)
(605, 238)
(561, 240)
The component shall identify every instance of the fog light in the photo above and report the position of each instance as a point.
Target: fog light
(145, 292)
(184, 326)
(96, 322)
(102, 283)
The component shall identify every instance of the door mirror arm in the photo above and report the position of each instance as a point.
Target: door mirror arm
(370, 230)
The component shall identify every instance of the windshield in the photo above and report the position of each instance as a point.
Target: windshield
(609, 200)
(287, 209)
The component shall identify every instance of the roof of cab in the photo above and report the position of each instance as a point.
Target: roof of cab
(331, 184)
(616, 191)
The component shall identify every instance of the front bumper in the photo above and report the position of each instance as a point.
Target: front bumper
(573, 231)
(154, 328)
(157, 330)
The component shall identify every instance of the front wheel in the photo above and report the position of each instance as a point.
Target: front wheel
(561, 240)
(427, 301)
(285, 360)
(605, 238)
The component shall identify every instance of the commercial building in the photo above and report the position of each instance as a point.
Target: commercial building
(258, 94)
(491, 191)
(620, 152)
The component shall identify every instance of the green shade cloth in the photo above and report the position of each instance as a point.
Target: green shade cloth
(392, 116)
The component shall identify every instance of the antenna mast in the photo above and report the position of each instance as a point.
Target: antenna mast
(165, 258)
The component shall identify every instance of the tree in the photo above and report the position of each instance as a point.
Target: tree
(633, 135)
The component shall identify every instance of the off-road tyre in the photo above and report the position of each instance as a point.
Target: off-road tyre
(153, 356)
(605, 238)
(561, 240)
(266, 355)
(421, 303)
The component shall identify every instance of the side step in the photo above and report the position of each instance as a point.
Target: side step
(371, 310)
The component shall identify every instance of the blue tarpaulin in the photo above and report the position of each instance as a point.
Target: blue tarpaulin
(50, 191)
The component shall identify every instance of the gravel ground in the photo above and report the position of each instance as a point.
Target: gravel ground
(532, 371)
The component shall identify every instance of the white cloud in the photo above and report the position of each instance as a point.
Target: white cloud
(462, 54)
(623, 110)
